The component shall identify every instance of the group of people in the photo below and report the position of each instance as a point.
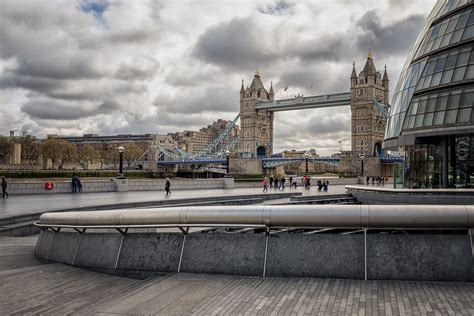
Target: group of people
(279, 183)
(4, 188)
(376, 180)
(76, 184)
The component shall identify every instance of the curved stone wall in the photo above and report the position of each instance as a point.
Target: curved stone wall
(440, 257)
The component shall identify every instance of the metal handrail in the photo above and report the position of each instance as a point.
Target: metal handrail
(348, 216)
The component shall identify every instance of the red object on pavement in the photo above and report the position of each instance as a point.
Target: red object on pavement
(49, 185)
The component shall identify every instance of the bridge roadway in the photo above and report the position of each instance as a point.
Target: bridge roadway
(29, 287)
(29, 204)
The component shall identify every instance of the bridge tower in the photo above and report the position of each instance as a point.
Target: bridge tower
(256, 126)
(368, 123)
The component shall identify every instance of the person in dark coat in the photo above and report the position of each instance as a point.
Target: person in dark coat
(168, 186)
(4, 188)
(79, 184)
(74, 184)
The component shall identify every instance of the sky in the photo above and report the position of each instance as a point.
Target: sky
(71, 67)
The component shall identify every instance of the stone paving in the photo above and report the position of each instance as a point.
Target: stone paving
(28, 287)
(27, 204)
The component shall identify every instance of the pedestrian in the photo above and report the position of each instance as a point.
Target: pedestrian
(79, 184)
(368, 179)
(74, 184)
(291, 181)
(373, 180)
(383, 181)
(326, 186)
(283, 180)
(319, 185)
(276, 183)
(271, 181)
(265, 184)
(4, 188)
(167, 186)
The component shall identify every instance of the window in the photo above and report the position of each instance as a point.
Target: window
(445, 108)
(451, 30)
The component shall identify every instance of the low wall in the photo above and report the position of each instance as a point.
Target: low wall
(383, 195)
(438, 257)
(64, 186)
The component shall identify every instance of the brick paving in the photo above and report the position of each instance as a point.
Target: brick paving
(29, 287)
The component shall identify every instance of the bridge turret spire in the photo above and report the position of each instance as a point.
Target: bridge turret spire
(369, 68)
(354, 73)
(242, 88)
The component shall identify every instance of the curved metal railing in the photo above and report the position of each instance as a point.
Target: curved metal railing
(273, 216)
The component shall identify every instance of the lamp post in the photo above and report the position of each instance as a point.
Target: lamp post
(362, 164)
(306, 158)
(121, 149)
(227, 154)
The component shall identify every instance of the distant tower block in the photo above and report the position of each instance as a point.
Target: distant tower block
(368, 123)
(256, 127)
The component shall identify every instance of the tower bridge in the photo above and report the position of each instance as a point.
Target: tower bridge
(368, 101)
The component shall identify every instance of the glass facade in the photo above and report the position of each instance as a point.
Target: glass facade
(432, 112)
(455, 29)
(425, 162)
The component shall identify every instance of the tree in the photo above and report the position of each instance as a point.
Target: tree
(5, 149)
(132, 153)
(29, 149)
(88, 155)
(58, 150)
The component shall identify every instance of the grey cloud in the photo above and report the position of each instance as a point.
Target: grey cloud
(50, 109)
(391, 39)
(236, 44)
(217, 98)
(140, 68)
(279, 7)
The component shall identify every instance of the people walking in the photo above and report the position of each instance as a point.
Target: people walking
(74, 184)
(265, 184)
(271, 181)
(275, 186)
(373, 180)
(319, 185)
(291, 181)
(368, 179)
(79, 184)
(325, 185)
(168, 186)
(282, 183)
(4, 188)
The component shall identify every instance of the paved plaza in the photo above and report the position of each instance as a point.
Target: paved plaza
(27, 204)
(29, 287)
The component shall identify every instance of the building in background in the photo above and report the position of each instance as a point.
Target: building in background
(368, 123)
(195, 141)
(432, 117)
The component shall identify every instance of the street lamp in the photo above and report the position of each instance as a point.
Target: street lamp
(362, 164)
(227, 154)
(121, 149)
(306, 158)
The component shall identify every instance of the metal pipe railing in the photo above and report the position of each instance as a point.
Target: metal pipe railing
(307, 216)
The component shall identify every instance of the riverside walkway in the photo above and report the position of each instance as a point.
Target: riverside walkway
(29, 287)
(29, 204)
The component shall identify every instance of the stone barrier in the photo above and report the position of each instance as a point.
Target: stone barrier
(435, 257)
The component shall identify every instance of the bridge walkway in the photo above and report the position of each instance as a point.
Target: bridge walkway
(29, 287)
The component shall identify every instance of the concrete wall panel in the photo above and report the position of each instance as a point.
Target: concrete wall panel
(239, 254)
(98, 250)
(322, 256)
(419, 257)
(151, 252)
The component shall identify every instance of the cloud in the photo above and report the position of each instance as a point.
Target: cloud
(395, 38)
(48, 109)
(238, 44)
(107, 67)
